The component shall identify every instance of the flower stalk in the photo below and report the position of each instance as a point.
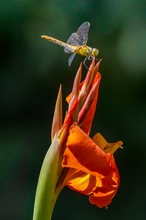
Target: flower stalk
(74, 159)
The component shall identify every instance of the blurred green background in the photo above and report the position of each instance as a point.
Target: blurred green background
(31, 71)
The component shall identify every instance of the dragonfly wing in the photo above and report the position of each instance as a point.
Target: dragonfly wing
(72, 40)
(82, 33)
(70, 59)
(68, 49)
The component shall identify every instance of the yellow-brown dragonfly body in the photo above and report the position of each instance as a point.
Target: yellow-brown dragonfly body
(76, 43)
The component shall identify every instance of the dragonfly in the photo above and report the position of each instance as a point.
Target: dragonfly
(76, 44)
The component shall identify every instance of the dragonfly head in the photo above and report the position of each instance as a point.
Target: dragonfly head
(95, 52)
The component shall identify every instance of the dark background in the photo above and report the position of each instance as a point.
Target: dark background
(31, 70)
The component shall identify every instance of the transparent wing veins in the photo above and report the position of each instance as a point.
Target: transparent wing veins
(72, 40)
(78, 38)
(82, 33)
(70, 59)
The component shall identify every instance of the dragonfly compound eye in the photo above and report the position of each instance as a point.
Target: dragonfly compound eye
(95, 52)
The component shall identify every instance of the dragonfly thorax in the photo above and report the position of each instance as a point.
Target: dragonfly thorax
(84, 50)
(95, 52)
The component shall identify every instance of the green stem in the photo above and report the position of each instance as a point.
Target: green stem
(46, 194)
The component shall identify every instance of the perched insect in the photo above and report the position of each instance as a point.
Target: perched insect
(76, 43)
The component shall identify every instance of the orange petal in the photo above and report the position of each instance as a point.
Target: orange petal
(87, 122)
(103, 195)
(104, 145)
(82, 153)
(84, 183)
(63, 133)
(101, 189)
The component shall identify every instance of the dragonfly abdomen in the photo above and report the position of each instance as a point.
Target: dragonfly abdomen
(69, 48)
(54, 40)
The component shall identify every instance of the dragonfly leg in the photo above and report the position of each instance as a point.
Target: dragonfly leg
(88, 58)
(91, 58)
(84, 62)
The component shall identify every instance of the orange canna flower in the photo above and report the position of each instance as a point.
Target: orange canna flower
(91, 166)
(91, 171)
